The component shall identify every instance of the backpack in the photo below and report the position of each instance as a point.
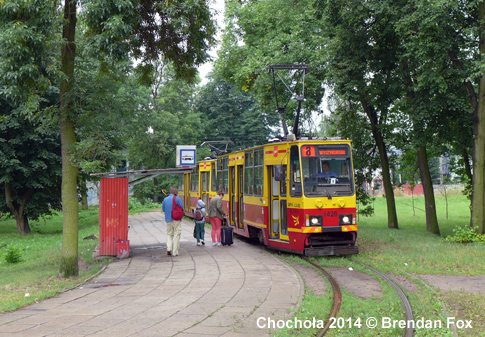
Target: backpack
(198, 214)
(177, 211)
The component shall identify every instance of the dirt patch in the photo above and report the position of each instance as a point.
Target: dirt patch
(404, 282)
(313, 279)
(359, 284)
(364, 286)
(469, 284)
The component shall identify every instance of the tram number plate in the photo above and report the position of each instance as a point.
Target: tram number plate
(290, 204)
(330, 214)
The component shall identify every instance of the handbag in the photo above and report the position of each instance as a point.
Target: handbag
(195, 236)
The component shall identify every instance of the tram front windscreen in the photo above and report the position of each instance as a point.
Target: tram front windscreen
(327, 170)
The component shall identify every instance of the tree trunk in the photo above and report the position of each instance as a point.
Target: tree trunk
(478, 199)
(466, 160)
(386, 174)
(69, 254)
(84, 194)
(430, 204)
(18, 210)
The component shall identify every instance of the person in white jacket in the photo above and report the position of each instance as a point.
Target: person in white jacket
(200, 224)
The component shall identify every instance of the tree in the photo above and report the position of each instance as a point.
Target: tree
(361, 58)
(164, 119)
(478, 200)
(231, 114)
(116, 30)
(263, 33)
(30, 168)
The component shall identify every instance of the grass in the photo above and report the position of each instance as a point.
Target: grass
(412, 247)
(407, 251)
(35, 276)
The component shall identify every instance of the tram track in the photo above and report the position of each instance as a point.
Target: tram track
(337, 295)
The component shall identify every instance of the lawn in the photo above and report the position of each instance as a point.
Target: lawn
(412, 247)
(36, 275)
(408, 251)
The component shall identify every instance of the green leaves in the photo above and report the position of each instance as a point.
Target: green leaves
(26, 29)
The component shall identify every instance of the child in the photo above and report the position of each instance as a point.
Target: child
(200, 223)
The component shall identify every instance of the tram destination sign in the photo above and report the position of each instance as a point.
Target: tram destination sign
(319, 151)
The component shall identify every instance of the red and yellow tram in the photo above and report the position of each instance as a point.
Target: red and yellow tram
(279, 194)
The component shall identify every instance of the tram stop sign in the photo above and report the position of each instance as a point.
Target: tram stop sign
(186, 155)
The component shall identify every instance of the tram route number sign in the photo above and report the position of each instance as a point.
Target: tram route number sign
(314, 151)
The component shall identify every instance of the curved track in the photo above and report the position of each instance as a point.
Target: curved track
(408, 313)
(337, 297)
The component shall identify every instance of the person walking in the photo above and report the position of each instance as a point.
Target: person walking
(174, 227)
(200, 222)
(216, 214)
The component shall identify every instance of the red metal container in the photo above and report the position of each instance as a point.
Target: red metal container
(113, 214)
(122, 249)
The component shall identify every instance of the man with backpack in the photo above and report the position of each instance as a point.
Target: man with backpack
(173, 208)
(199, 216)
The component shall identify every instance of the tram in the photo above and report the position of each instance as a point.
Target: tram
(279, 194)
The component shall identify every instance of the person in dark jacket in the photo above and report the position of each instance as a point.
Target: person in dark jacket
(216, 214)
(200, 224)
(174, 227)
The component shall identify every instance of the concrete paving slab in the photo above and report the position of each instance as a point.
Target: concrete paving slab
(205, 291)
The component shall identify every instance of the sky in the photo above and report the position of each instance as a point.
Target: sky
(206, 68)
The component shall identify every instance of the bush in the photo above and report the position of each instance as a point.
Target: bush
(13, 255)
(465, 234)
(135, 206)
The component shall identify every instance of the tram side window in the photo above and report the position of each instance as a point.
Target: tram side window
(248, 173)
(219, 174)
(295, 174)
(194, 181)
(213, 178)
(205, 181)
(225, 174)
(181, 182)
(258, 172)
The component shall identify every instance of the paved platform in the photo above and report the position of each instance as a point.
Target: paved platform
(205, 291)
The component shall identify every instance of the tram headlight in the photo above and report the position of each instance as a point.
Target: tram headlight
(345, 219)
(314, 220)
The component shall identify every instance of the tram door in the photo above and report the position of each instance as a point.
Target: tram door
(232, 195)
(187, 192)
(239, 196)
(278, 209)
(204, 191)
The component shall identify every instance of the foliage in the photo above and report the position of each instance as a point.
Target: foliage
(136, 206)
(231, 114)
(13, 255)
(465, 234)
(181, 30)
(26, 58)
(263, 33)
(30, 166)
(38, 272)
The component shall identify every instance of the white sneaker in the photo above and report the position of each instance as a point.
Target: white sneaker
(218, 243)
(198, 243)
(203, 243)
(214, 243)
